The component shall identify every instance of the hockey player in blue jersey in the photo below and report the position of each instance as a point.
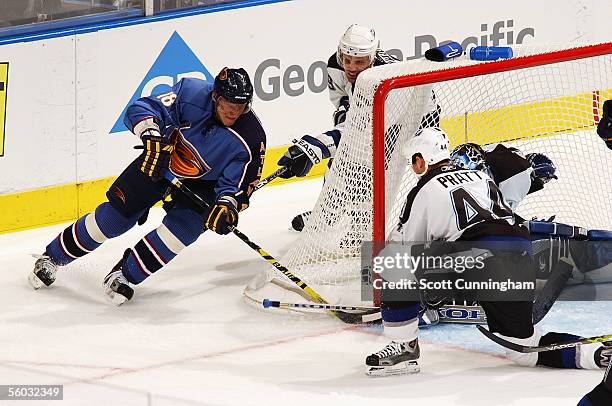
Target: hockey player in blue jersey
(204, 133)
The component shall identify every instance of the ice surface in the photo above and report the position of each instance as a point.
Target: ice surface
(187, 337)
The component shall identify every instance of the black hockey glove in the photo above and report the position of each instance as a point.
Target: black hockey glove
(306, 152)
(156, 155)
(297, 161)
(604, 128)
(223, 216)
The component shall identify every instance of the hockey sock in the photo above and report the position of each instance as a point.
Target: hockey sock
(180, 228)
(401, 321)
(88, 233)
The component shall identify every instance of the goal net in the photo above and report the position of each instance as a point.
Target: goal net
(546, 101)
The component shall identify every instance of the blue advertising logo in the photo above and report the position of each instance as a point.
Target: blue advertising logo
(174, 62)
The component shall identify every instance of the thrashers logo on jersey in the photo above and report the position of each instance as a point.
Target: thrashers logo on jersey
(185, 160)
(3, 93)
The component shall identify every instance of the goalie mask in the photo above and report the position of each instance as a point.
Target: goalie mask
(470, 156)
(358, 41)
(234, 85)
(431, 143)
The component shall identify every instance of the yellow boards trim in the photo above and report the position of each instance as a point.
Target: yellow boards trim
(3, 91)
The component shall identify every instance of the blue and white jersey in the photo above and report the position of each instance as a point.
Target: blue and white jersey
(204, 148)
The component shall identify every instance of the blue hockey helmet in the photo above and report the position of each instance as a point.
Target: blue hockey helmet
(235, 86)
(470, 156)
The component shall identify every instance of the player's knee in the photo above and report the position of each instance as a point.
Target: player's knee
(185, 225)
(111, 222)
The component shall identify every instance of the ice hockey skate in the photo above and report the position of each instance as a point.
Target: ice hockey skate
(43, 273)
(397, 358)
(117, 288)
(603, 355)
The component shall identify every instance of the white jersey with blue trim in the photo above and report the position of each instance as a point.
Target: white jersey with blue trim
(341, 92)
(448, 202)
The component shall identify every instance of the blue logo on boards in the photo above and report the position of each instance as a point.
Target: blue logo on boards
(174, 62)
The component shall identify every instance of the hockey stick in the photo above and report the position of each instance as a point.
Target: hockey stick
(550, 347)
(267, 303)
(552, 289)
(270, 178)
(347, 318)
(367, 314)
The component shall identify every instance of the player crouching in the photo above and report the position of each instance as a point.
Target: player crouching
(206, 134)
(449, 203)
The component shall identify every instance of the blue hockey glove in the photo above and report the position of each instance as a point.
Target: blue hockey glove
(543, 167)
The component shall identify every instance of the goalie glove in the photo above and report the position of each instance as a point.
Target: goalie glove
(308, 151)
(155, 159)
(223, 215)
(543, 167)
(604, 128)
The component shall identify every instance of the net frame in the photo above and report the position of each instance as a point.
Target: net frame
(387, 85)
(431, 77)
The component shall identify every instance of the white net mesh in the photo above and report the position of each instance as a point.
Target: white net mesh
(552, 109)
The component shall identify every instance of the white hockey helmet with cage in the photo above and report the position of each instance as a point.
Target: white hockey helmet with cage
(358, 41)
(431, 143)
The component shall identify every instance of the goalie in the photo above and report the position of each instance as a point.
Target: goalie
(514, 174)
(453, 204)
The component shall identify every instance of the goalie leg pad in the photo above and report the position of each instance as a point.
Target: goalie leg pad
(524, 359)
(565, 358)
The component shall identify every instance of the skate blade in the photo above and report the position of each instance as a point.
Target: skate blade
(34, 281)
(402, 368)
(115, 298)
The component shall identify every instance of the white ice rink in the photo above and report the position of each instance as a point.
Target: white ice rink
(187, 337)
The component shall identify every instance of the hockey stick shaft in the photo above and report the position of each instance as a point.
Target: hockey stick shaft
(267, 303)
(270, 178)
(347, 318)
(552, 289)
(550, 347)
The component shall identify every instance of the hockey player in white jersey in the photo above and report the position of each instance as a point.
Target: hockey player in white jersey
(358, 50)
(454, 204)
(514, 174)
